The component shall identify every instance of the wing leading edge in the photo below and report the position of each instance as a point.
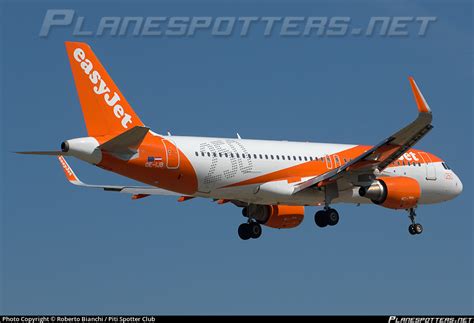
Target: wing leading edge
(385, 152)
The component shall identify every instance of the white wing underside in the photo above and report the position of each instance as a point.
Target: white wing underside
(135, 190)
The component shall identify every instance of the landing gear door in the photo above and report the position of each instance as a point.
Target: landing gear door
(172, 154)
(430, 167)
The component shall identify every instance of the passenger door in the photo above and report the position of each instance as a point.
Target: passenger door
(430, 167)
(172, 154)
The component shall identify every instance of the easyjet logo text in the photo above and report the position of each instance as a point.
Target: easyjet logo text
(101, 88)
(411, 156)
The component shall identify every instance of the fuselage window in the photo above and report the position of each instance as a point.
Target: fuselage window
(336, 159)
(261, 157)
(255, 156)
(231, 155)
(305, 158)
(197, 154)
(403, 163)
(299, 157)
(310, 157)
(208, 154)
(202, 153)
(225, 154)
(220, 154)
(266, 156)
(278, 157)
(289, 157)
(214, 154)
(271, 156)
(345, 160)
(283, 157)
(237, 154)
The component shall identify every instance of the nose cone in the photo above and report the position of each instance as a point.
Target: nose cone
(454, 187)
(457, 186)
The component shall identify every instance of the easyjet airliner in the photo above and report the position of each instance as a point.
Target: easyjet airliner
(271, 181)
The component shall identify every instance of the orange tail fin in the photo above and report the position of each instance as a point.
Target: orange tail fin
(105, 109)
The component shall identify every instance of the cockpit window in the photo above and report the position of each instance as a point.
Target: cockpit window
(445, 165)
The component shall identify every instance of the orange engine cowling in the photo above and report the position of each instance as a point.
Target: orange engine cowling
(276, 216)
(393, 192)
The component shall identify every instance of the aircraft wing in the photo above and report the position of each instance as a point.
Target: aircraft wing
(137, 191)
(384, 153)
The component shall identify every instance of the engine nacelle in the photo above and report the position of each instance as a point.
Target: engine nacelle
(393, 192)
(276, 216)
(85, 149)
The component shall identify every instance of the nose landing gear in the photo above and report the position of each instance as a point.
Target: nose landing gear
(414, 228)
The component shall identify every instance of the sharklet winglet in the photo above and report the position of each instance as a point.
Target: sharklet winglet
(423, 106)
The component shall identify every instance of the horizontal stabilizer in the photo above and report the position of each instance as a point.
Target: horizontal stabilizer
(45, 153)
(127, 142)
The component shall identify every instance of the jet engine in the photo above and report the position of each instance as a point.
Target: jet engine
(393, 192)
(275, 216)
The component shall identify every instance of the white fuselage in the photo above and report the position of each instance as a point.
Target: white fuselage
(221, 162)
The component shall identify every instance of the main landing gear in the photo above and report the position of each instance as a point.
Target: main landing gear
(414, 228)
(326, 217)
(250, 230)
